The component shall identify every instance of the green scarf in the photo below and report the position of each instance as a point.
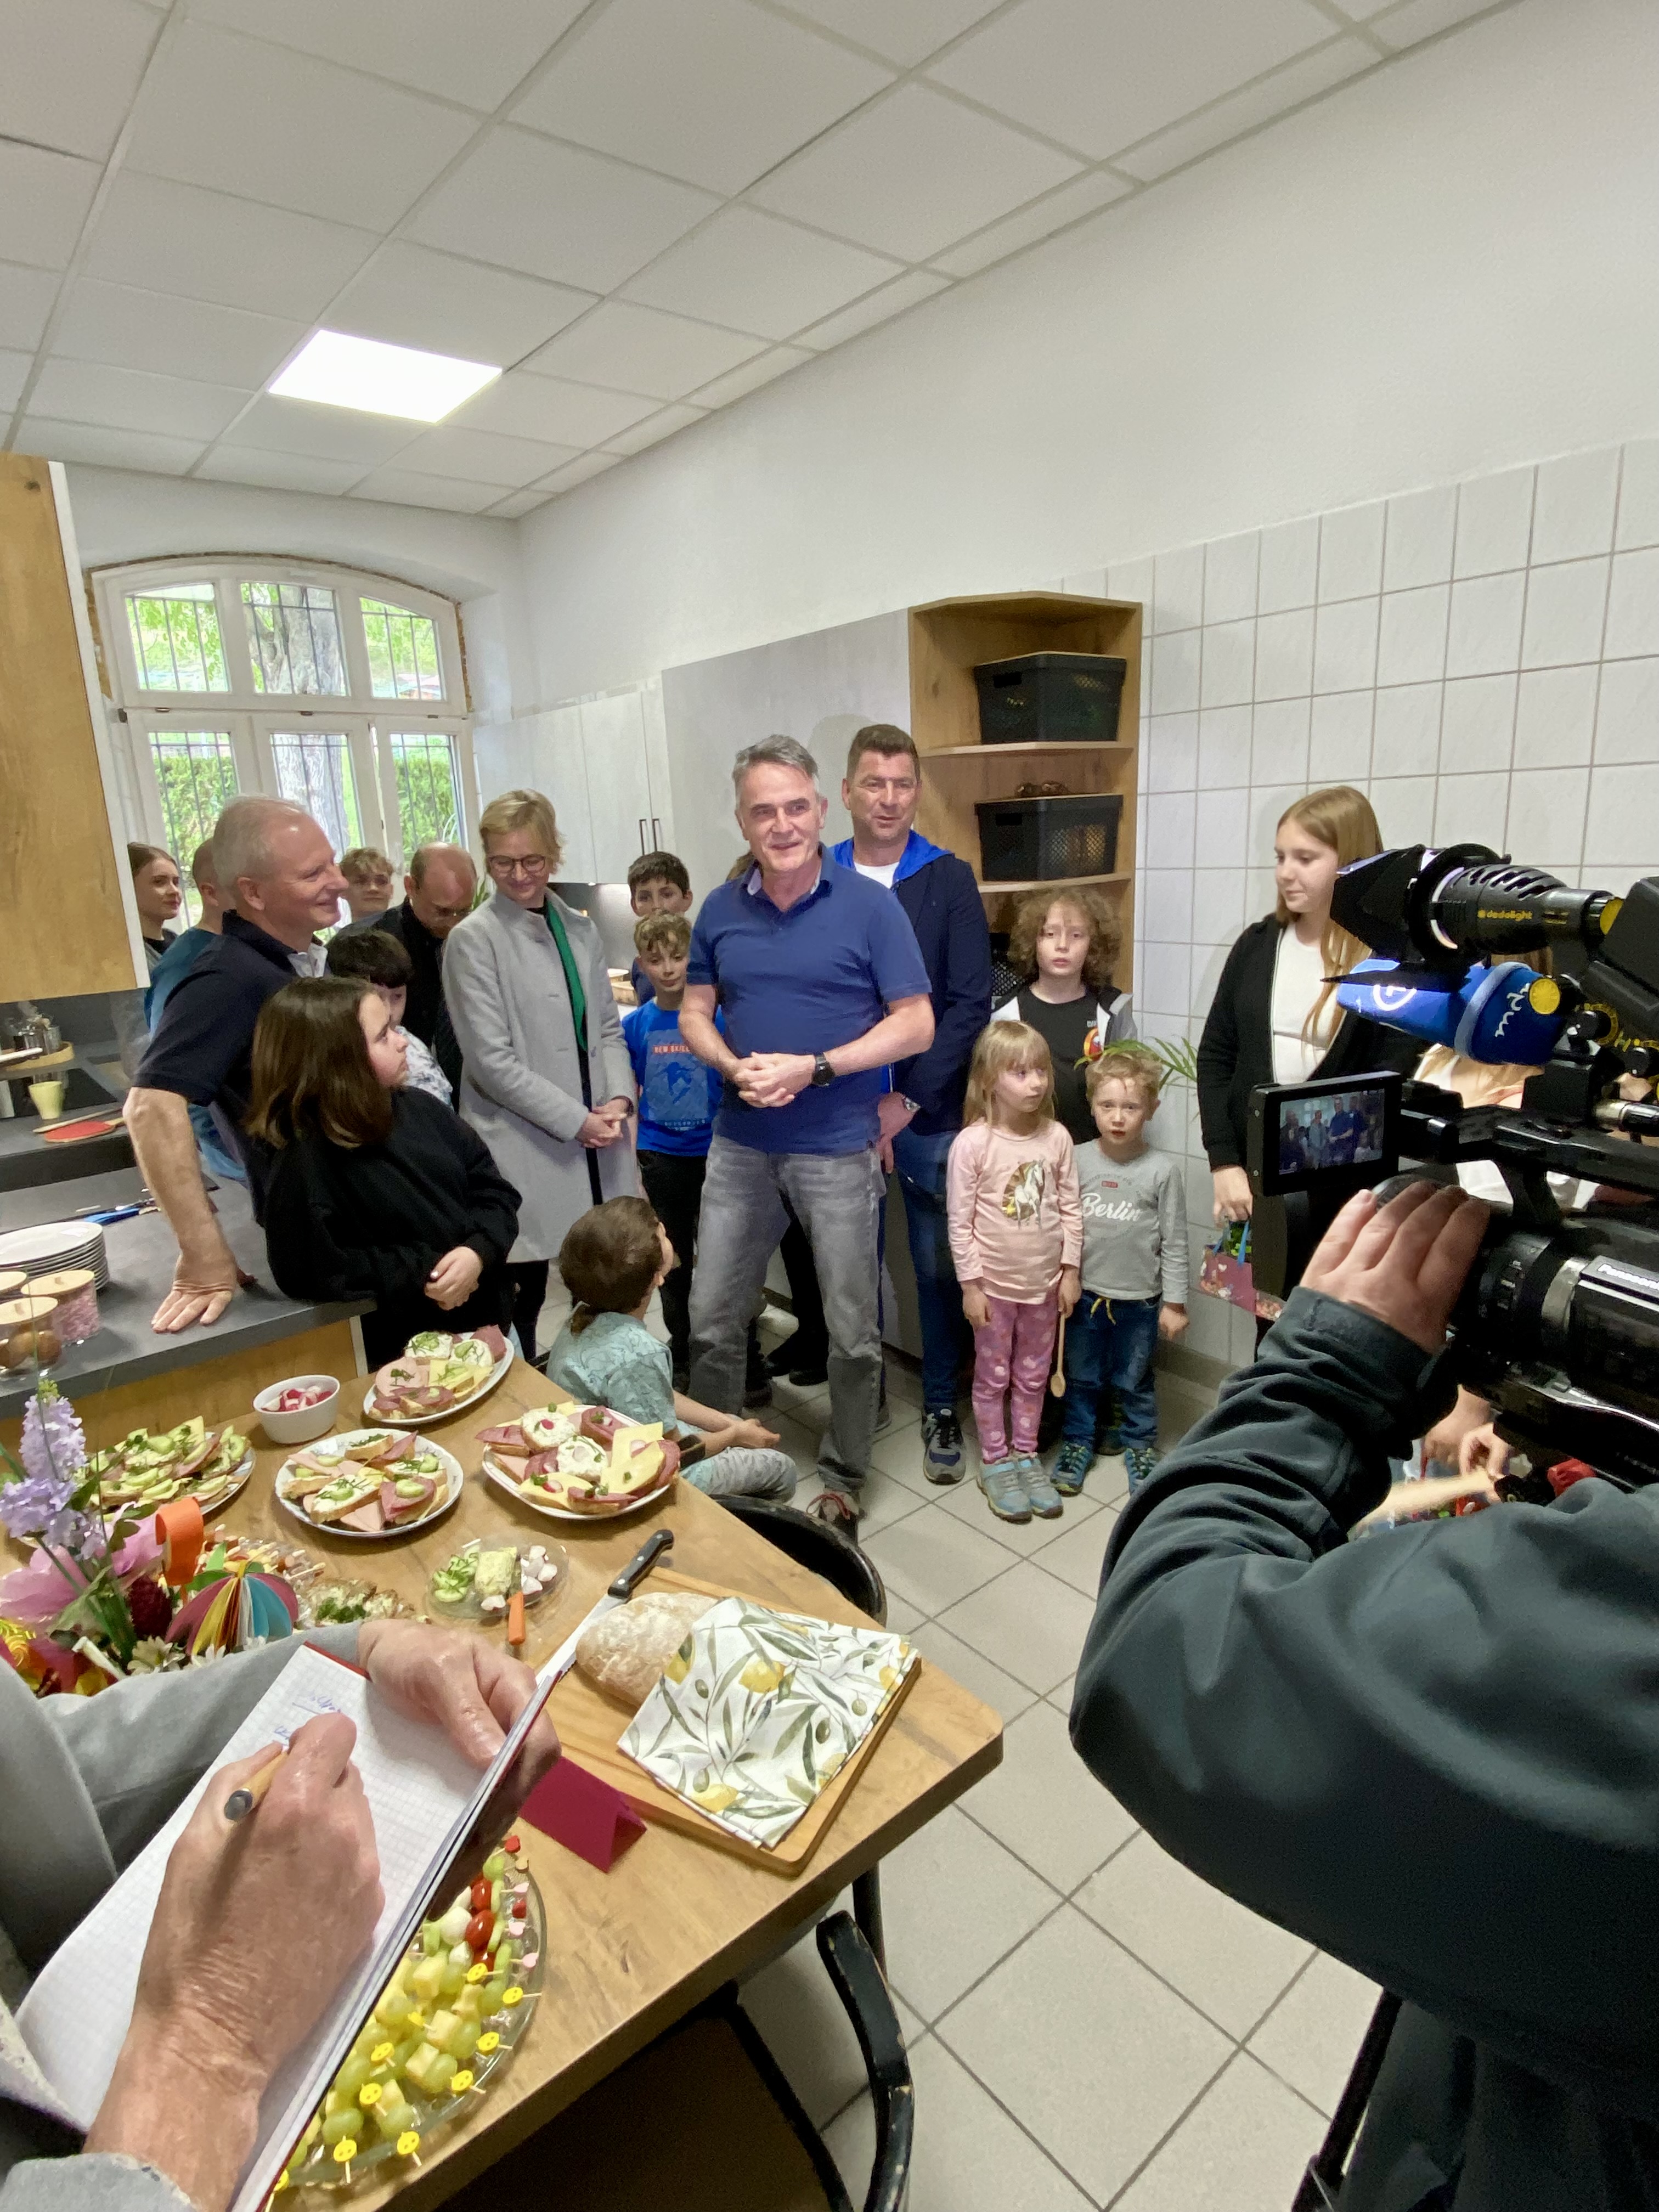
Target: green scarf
(572, 978)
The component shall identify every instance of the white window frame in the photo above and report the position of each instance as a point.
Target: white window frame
(251, 716)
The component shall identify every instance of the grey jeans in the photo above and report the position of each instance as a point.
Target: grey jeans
(745, 1471)
(838, 1199)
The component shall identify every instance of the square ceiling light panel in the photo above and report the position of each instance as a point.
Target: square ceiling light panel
(238, 115)
(71, 68)
(914, 174)
(412, 295)
(523, 202)
(1100, 75)
(717, 94)
(382, 379)
(201, 244)
(475, 54)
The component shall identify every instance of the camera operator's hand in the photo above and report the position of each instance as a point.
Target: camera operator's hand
(1403, 1262)
(1483, 1452)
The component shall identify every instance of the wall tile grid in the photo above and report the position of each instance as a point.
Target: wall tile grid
(1481, 658)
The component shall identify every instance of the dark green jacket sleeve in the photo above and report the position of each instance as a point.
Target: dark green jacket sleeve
(1435, 1753)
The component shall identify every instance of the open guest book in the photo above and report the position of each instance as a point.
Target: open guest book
(424, 1798)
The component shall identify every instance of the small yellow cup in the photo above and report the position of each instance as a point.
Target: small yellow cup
(48, 1097)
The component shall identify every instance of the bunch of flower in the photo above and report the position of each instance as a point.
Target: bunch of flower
(53, 1498)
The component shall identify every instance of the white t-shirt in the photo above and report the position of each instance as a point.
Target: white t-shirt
(1299, 979)
(882, 876)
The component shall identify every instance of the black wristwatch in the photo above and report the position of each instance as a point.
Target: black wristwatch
(821, 1072)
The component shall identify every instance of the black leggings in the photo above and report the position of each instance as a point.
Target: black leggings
(529, 1280)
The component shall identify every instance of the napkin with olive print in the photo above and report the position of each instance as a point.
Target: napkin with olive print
(757, 1710)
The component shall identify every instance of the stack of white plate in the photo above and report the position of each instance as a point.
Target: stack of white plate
(51, 1246)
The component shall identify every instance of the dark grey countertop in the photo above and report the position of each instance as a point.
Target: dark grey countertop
(142, 1253)
(26, 1161)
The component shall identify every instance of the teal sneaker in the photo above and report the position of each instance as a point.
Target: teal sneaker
(1139, 1460)
(1002, 1481)
(1072, 1465)
(1043, 1494)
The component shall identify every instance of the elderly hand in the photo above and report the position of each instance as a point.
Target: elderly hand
(241, 1962)
(892, 1114)
(773, 1078)
(473, 1690)
(1404, 1263)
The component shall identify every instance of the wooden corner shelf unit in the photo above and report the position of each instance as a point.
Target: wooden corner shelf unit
(948, 638)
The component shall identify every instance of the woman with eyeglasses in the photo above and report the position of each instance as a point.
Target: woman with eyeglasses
(546, 1079)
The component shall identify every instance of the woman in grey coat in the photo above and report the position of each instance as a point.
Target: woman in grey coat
(546, 1079)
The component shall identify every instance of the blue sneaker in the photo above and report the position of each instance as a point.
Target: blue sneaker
(942, 1456)
(1003, 1482)
(1072, 1465)
(1139, 1460)
(1044, 1496)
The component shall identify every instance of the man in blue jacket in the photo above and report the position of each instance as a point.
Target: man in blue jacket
(922, 1110)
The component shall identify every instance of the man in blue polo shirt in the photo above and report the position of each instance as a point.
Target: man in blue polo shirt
(822, 985)
(276, 869)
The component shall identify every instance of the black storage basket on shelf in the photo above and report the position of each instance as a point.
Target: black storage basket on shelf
(1047, 839)
(1050, 698)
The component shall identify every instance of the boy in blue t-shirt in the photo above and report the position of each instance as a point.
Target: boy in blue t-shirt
(678, 1097)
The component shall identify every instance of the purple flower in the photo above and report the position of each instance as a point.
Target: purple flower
(38, 1504)
(53, 1442)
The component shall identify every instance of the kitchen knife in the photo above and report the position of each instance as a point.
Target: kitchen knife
(618, 1593)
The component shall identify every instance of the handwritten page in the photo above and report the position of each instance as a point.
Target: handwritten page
(75, 2017)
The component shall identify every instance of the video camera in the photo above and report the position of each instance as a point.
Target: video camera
(1559, 1325)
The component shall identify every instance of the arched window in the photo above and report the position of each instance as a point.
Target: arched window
(343, 690)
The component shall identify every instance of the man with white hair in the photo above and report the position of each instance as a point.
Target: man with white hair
(822, 985)
(279, 884)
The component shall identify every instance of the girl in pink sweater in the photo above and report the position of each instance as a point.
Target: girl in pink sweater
(1016, 1222)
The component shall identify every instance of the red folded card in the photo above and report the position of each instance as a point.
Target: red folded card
(584, 1815)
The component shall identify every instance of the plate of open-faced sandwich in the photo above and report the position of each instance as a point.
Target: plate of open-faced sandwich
(435, 1376)
(374, 1483)
(146, 1471)
(581, 1462)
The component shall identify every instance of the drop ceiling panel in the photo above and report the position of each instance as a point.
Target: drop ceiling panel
(404, 487)
(752, 272)
(517, 503)
(1302, 79)
(246, 464)
(546, 407)
(716, 93)
(642, 349)
(906, 31)
(239, 115)
(483, 456)
(132, 400)
(916, 284)
(26, 298)
(207, 245)
(14, 375)
(475, 53)
(412, 295)
(557, 212)
(654, 429)
(914, 174)
(1420, 19)
(575, 472)
(326, 433)
(1100, 74)
(776, 361)
(44, 198)
(1081, 196)
(118, 324)
(107, 449)
(71, 69)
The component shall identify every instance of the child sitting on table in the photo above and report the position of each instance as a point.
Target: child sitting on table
(375, 955)
(372, 1190)
(1134, 1269)
(611, 1260)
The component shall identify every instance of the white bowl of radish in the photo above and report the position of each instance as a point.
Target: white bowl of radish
(303, 1407)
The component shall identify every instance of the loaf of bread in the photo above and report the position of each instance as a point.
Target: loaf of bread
(627, 1649)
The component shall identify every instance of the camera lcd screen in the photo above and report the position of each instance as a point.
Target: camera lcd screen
(1308, 1133)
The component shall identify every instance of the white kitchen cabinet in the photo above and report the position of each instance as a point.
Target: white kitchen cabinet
(618, 783)
(561, 770)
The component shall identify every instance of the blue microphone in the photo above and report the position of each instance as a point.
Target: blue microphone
(1506, 1012)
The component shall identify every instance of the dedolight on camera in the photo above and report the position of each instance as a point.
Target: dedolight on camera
(1559, 1325)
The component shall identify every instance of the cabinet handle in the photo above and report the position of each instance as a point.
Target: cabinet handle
(641, 835)
(656, 832)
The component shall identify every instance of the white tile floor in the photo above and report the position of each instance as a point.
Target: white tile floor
(1089, 2024)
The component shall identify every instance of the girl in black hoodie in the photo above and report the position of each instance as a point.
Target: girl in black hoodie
(372, 1190)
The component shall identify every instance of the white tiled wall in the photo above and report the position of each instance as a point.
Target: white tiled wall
(1482, 658)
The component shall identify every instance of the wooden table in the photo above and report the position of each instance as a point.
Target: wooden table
(630, 1952)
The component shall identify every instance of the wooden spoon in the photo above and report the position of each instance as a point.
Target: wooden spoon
(1057, 1380)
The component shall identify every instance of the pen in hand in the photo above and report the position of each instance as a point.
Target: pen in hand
(240, 1803)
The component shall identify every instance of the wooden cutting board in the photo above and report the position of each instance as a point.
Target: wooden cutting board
(590, 1724)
